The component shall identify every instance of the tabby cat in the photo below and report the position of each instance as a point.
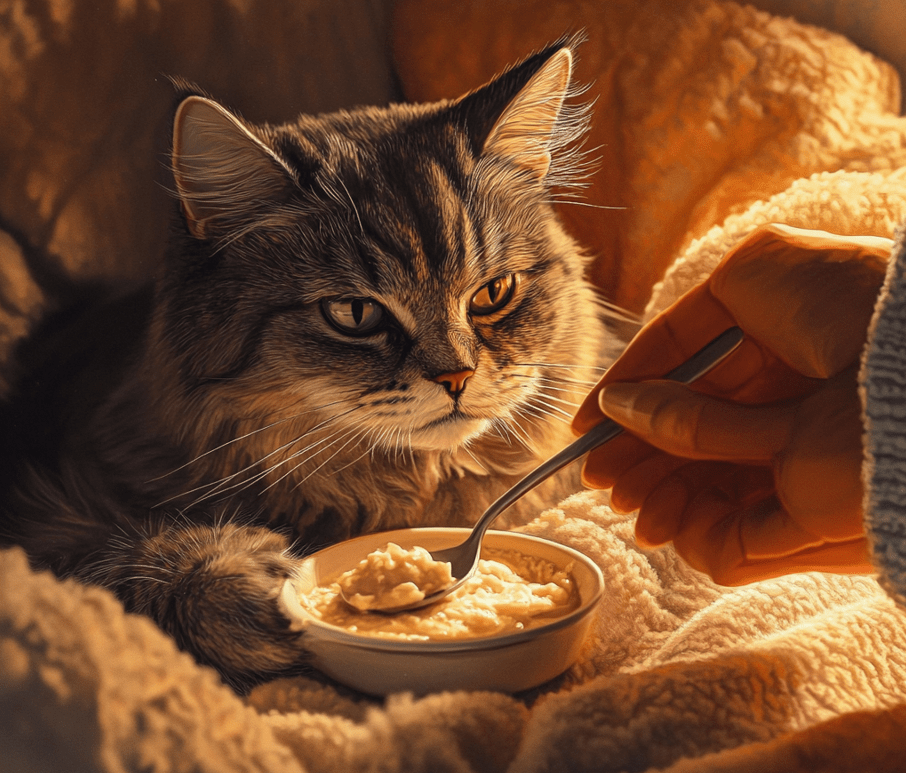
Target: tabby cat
(367, 319)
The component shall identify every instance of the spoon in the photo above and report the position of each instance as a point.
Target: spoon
(463, 558)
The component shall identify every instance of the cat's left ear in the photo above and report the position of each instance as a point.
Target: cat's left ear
(525, 105)
(222, 170)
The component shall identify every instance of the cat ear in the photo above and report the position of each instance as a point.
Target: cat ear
(523, 132)
(221, 169)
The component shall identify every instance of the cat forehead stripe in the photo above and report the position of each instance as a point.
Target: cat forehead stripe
(453, 221)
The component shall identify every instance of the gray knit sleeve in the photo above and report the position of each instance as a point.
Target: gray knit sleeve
(883, 380)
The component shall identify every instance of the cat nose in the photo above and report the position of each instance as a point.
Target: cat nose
(454, 383)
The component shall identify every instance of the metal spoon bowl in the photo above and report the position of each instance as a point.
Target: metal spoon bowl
(463, 558)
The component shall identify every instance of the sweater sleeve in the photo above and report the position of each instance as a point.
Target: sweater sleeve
(883, 386)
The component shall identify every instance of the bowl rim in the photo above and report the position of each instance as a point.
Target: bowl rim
(327, 631)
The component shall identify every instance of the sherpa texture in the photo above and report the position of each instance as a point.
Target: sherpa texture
(797, 674)
(675, 668)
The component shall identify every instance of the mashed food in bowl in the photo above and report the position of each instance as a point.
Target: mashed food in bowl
(509, 592)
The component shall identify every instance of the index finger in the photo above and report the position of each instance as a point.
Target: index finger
(666, 341)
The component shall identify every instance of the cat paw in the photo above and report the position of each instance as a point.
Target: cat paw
(216, 593)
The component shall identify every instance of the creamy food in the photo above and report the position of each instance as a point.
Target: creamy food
(394, 577)
(509, 592)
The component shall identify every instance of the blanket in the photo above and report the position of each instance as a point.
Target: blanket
(743, 118)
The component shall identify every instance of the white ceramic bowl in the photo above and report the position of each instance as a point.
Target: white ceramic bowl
(508, 663)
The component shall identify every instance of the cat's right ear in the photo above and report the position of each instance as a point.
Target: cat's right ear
(221, 169)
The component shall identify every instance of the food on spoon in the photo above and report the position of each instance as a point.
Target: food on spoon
(393, 577)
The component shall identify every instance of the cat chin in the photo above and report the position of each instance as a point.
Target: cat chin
(449, 435)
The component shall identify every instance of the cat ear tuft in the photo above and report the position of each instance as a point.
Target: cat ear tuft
(523, 133)
(222, 170)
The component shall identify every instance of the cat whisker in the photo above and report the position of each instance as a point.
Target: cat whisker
(352, 203)
(384, 439)
(368, 450)
(146, 578)
(553, 378)
(562, 366)
(411, 449)
(574, 386)
(553, 411)
(535, 412)
(500, 428)
(525, 438)
(544, 396)
(519, 432)
(404, 443)
(152, 567)
(249, 482)
(333, 193)
(574, 203)
(379, 441)
(296, 454)
(245, 437)
(220, 487)
(240, 233)
(325, 444)
(543, 415)
(616, 315)
(554, 399)
(399, 441)
(391, 438)
(353, 439)
(465, 447)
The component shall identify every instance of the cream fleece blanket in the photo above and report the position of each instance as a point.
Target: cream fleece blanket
(802, 673)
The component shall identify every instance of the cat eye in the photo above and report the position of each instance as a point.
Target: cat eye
(354, 316)
(493, 296)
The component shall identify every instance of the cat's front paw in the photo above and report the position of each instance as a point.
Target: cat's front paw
(216, 593)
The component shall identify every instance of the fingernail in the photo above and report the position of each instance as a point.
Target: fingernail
(618, 400)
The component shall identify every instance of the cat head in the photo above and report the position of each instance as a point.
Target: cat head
(396, 274)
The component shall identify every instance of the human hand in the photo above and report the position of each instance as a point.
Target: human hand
(756, 470)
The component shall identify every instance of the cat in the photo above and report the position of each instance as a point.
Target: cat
(366, 319)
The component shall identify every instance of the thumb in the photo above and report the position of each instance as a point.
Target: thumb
(685, 423)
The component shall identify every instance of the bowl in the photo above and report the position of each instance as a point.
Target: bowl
(509, 662)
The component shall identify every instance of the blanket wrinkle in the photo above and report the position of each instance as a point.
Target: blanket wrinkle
(450, 732)
(714, 118)
(624, 725)
(777, 681)
(772, 609)
(840, 745)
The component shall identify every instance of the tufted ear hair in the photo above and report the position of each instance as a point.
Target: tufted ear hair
(518, 116)
(221, 168)
(523, 133)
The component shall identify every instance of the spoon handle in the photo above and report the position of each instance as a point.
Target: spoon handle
(693, 368)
